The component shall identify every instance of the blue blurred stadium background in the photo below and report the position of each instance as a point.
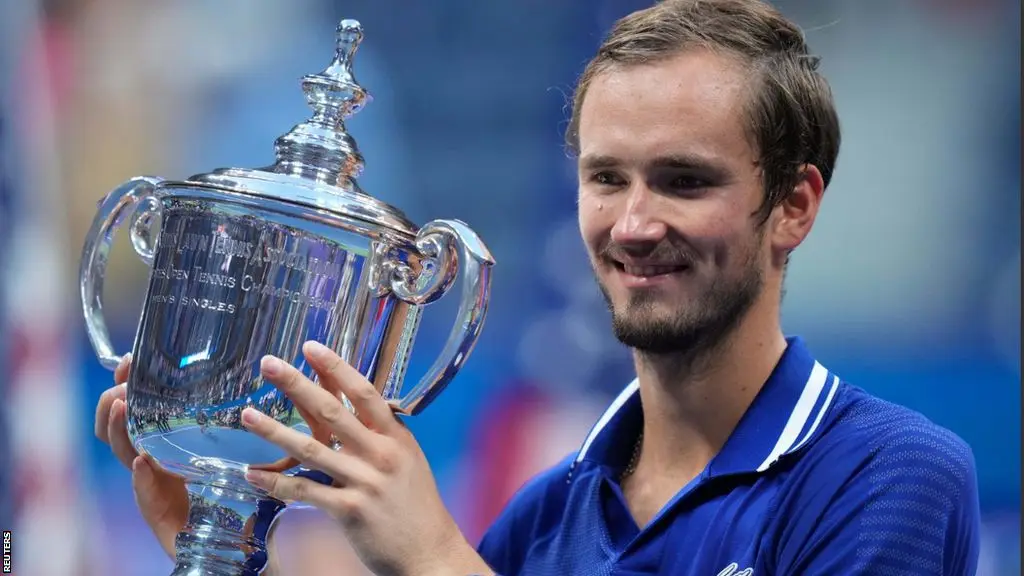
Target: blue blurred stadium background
(909, 285)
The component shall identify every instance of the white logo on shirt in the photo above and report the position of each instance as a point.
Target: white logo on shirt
(734, 570)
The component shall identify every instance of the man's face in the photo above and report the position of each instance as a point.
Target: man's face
(668, 186)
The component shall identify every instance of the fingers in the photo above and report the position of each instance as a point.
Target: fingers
(122, 370)
(103, 410)
(371, 409)
(295, 489)
(343, 467)
(117, 432)
(106, 401)
(320, 405)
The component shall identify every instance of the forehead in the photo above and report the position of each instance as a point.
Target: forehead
(690, 103)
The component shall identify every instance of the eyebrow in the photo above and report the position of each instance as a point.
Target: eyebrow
(689, 161)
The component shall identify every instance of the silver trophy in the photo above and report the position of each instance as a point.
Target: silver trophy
(252, 262)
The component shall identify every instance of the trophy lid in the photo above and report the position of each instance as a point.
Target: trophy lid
(317, 162)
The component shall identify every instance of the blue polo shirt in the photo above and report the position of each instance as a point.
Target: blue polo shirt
(818, 478)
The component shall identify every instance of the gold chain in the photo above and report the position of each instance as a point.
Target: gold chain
(634, 459)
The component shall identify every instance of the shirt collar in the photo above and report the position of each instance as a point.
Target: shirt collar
(784, 416)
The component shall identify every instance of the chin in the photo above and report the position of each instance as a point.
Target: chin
(651, 334)
(651, 316)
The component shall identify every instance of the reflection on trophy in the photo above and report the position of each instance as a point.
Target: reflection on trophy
(252, 262)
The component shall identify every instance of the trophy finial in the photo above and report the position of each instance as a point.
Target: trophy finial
(320, 148)
(350, 34)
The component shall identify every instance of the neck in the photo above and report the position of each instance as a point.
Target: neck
(693, 401)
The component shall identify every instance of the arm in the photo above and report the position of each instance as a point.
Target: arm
(910, 508)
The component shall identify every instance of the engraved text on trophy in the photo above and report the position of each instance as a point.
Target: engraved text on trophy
(239, 271)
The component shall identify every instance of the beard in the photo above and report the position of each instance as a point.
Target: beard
(694, 327)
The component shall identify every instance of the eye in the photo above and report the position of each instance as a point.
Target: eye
(607, 179)
(687, 183)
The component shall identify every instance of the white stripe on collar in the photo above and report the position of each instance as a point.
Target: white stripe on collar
(787, 442)
(821, 414)
(801, 413)
(619, 401)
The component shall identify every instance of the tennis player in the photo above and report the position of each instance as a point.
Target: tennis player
(706, 137)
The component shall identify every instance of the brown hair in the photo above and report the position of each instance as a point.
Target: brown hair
(792, 119)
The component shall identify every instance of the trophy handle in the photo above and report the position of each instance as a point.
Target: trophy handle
(138, 198)
(449, 248)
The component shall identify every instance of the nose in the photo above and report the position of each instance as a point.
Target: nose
(640, 221)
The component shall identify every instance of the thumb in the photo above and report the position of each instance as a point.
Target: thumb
(162, 499)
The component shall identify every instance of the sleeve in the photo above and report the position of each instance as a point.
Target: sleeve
(535, 506)
(910, 508)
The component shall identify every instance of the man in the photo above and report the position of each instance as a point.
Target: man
(706, 139)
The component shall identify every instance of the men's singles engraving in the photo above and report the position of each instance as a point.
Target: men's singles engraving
(191, 267)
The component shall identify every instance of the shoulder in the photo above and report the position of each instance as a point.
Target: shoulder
(895, 439)
(869, 443)
(884, 480)
(535, 509)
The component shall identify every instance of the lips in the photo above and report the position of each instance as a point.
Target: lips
(640, 269)
(647, 271)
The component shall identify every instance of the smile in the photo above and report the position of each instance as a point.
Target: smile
(649, 271)
(647, 275)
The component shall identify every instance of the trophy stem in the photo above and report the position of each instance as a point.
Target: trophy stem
(227, 528)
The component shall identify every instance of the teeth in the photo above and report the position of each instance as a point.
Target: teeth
(649, 270)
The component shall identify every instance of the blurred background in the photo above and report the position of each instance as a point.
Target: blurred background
(909, 285)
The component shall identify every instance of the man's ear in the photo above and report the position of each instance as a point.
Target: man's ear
(793, 218)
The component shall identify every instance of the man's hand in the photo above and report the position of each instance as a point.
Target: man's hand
(384, 494)
(160, 495)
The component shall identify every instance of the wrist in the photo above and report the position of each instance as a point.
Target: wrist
(461, 559)
(459, 567)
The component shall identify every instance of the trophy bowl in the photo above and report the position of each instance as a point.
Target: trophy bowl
(249, 262)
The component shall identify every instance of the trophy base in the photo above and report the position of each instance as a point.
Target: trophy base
(227, 528)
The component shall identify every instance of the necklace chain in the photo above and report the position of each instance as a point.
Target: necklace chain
(634, 459)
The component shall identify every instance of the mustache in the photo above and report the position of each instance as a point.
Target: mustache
(660, 253)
